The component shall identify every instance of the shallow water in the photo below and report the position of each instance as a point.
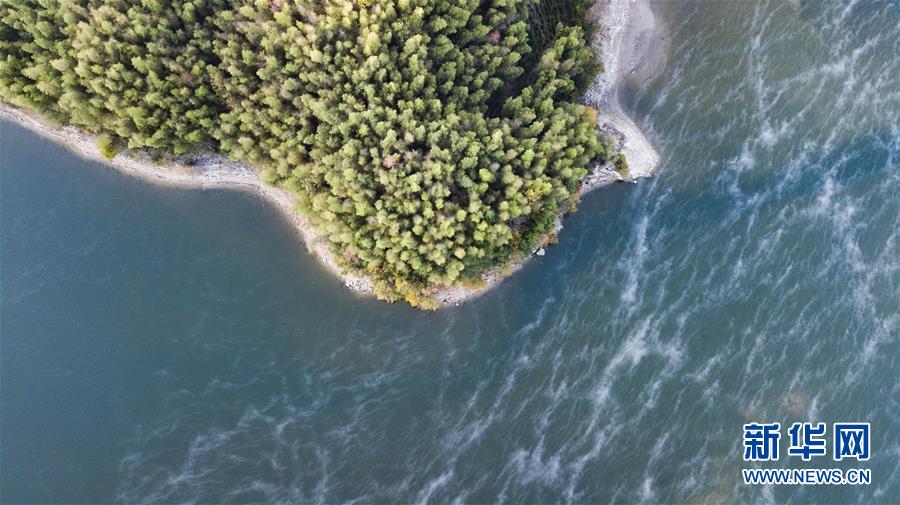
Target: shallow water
(165, 345)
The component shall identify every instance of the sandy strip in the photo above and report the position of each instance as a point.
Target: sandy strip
(631, 43)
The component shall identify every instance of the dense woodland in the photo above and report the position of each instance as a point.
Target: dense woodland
(428, 139)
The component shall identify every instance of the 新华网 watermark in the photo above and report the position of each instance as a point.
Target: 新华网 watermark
(808, 441)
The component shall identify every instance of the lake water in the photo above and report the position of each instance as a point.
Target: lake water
(165, 345)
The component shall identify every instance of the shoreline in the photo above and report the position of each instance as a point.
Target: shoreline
(624, 25)
(631, 44)
(629, 41)
(211, 172)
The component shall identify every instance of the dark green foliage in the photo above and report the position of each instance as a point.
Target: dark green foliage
(428, 140)
(107, 145)
(621, 164)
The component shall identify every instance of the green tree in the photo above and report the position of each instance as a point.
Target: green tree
(427, 140)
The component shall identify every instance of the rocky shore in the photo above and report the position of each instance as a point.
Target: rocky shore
(632, 44)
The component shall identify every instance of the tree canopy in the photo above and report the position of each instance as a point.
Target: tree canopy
(427, 139)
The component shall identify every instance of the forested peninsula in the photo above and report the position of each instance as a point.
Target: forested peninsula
(430, 144)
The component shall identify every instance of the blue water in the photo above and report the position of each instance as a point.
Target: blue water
(163, 345)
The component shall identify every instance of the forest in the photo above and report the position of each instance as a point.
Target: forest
(428, 140)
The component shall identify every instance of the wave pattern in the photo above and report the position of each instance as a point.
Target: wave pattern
(755, 278)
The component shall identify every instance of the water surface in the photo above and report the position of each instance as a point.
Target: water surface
(167, 345)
